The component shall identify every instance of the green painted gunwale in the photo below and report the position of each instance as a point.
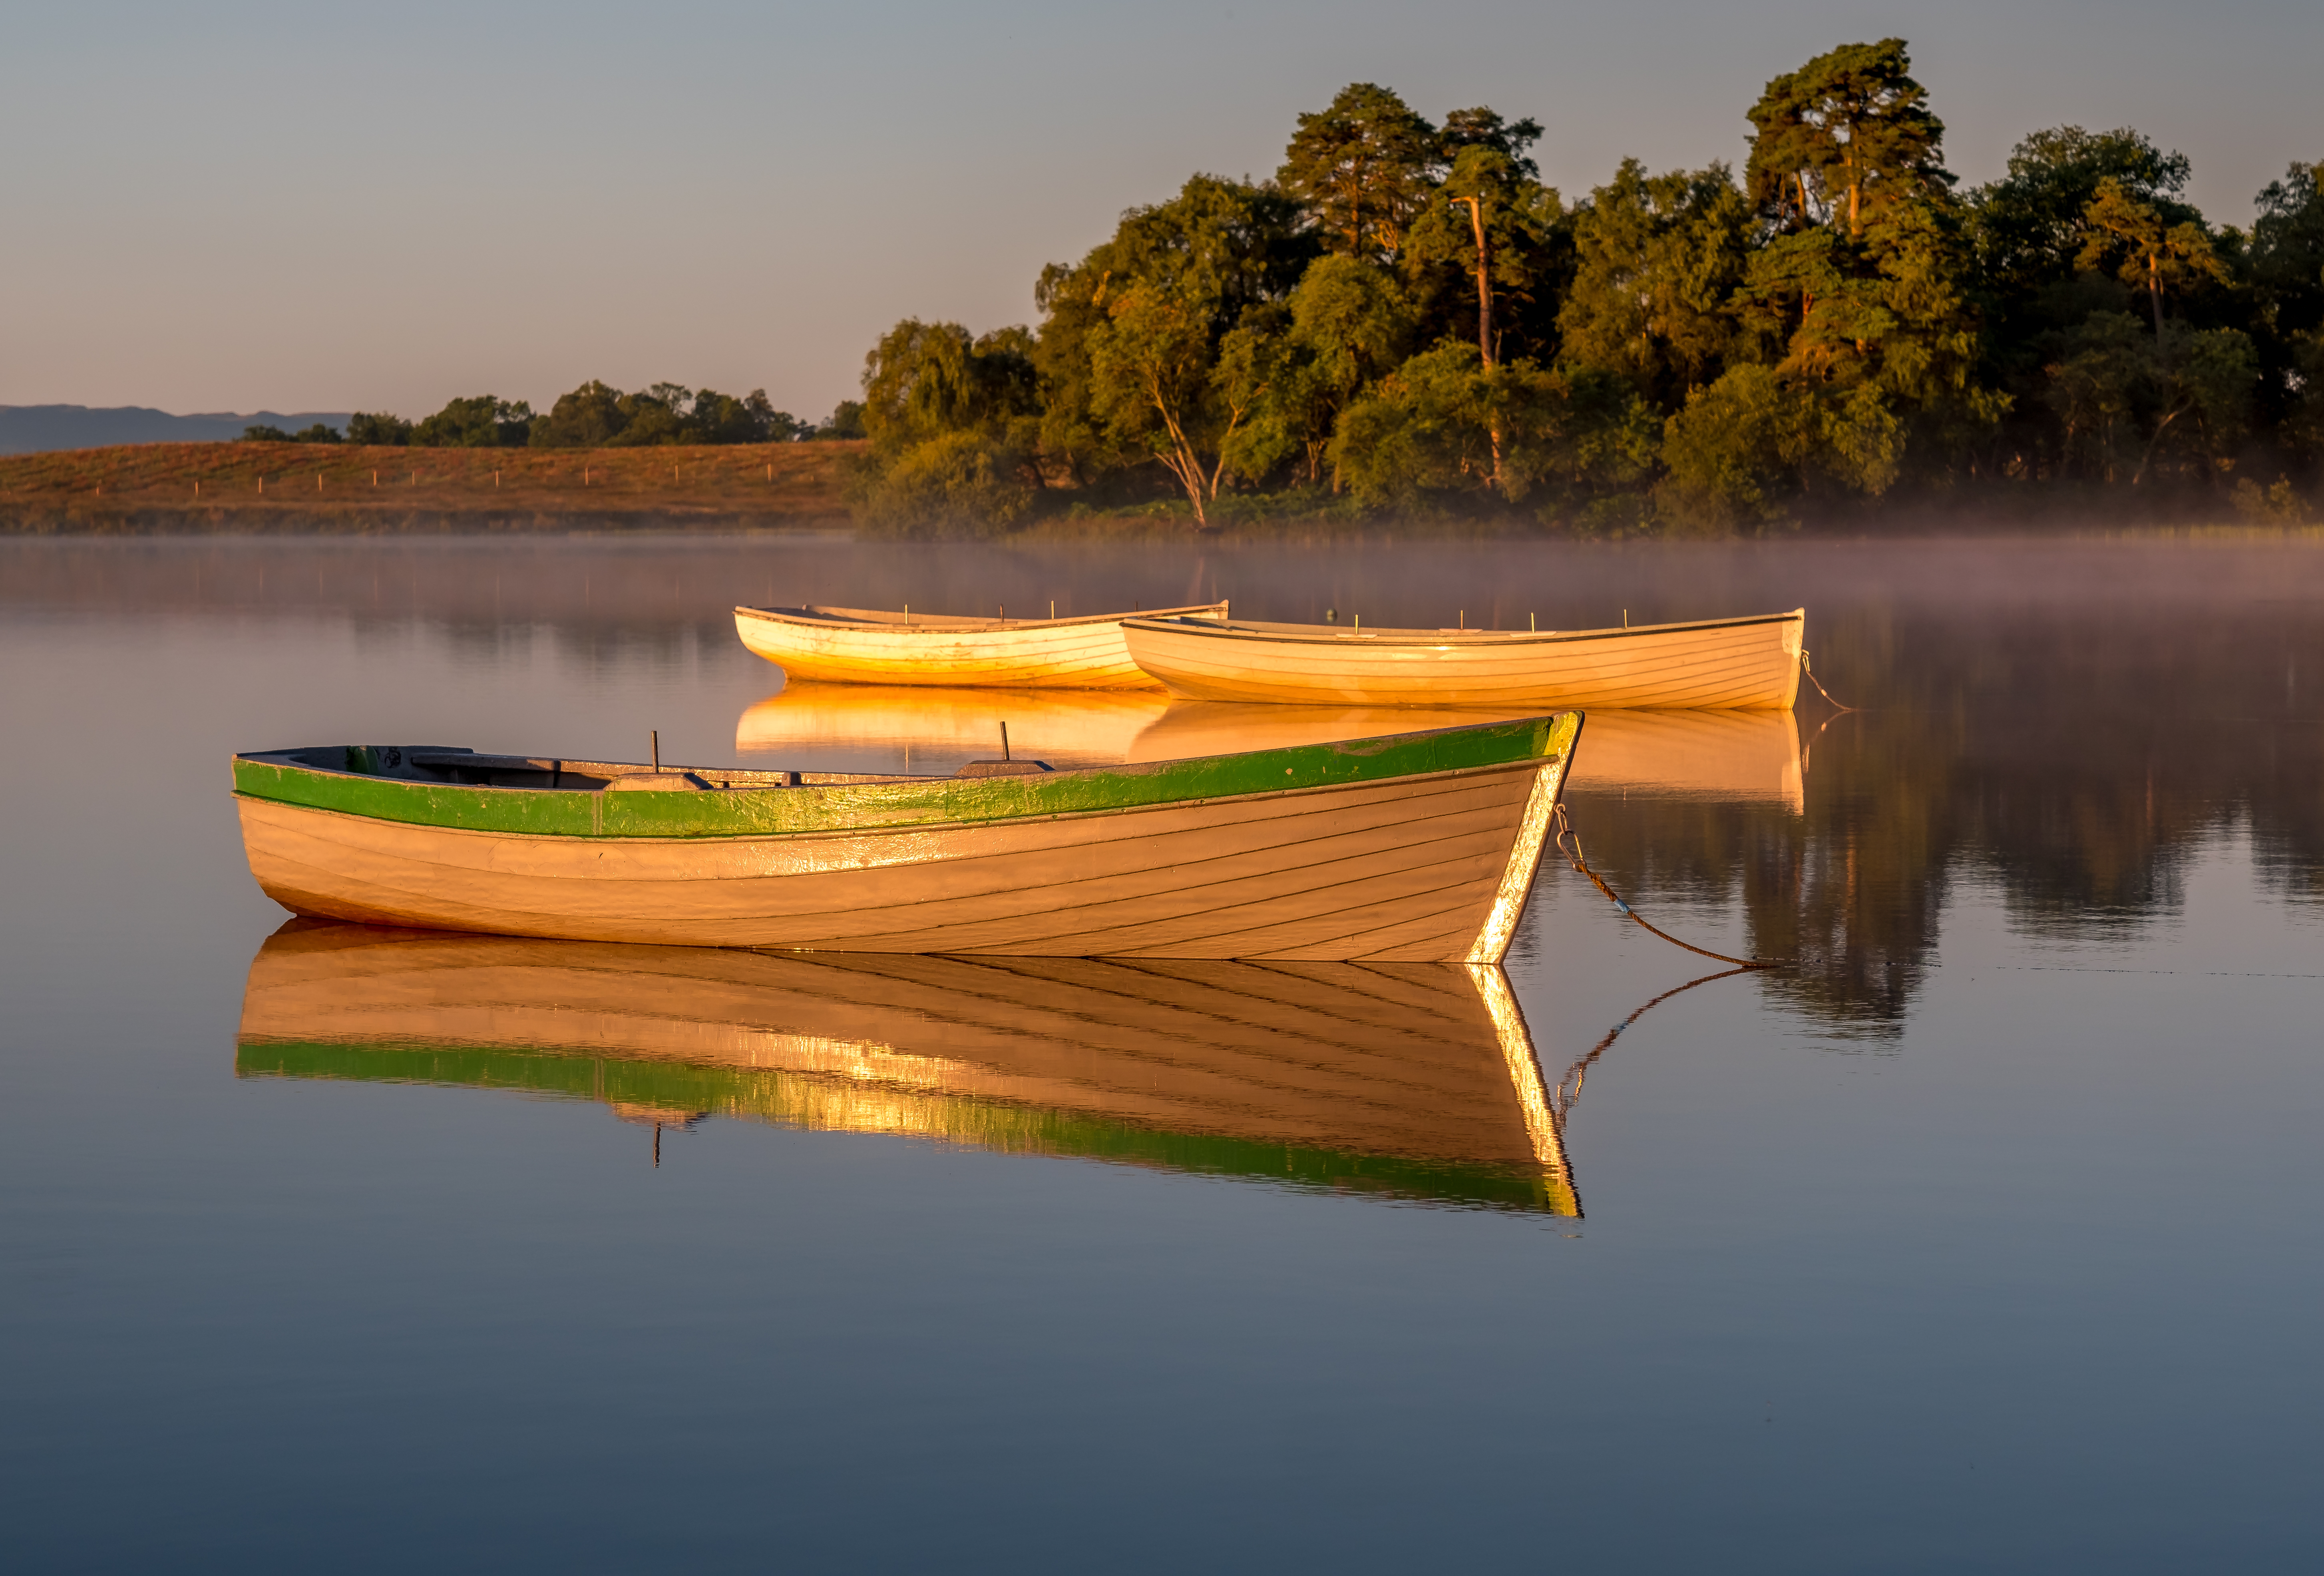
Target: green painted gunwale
(788, 1099)
(918, 802)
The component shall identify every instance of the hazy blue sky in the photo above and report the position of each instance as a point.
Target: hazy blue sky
(307, 207)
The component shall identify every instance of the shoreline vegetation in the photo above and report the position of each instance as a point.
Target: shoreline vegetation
(1405, 323)
(168, 488)
(1404, 332)
(263, 488)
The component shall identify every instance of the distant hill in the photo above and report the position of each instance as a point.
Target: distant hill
(37, 428)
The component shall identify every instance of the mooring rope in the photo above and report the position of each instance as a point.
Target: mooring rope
(1569, 844)
(1808, 667)
(1561, 1101)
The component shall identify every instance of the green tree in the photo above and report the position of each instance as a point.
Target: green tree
(1143, 318)
(1493, 229)
(1845, 135)
(378, 428)
(2148, 251)
(2094, 388)
(2287, 271)
(1879, 338)
(1296, 368)
(1870, 323)
(846, 421)
(590, 417)
(952, 419)
(1487, 128)
(1362, 168)
(2182, 396)
(484, 421)
(1446, 424)
(1153, 366)
(2029, 224)
(1658, 258)
(1734, 452)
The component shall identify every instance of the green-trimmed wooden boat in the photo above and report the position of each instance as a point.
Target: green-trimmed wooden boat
(1412, 848)
(1414, 1081)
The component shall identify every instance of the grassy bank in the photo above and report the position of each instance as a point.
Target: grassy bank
(154, 487)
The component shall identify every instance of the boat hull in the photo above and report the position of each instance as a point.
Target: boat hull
(1750, 664)
(1422, 866)
(837, 645)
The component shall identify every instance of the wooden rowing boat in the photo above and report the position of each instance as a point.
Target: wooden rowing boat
(1414, 1080)
(855, 645)
(1418, 848)
(1741, 664)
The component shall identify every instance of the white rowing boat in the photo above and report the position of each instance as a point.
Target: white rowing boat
(856, 645)
(1740, 664)
(1419, 848)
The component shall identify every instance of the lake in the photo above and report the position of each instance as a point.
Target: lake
(1978, 1239)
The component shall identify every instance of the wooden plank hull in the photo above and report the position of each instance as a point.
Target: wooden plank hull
(1372, 862)
(1748, 664)
(1307, 1071)
(845, 645)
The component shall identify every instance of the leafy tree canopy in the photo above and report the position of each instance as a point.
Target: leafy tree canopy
(597, 415)
(377, 427)
(320, 432)
(1658, 259)
(1843, 137)
(1362, 167)
(482, 422)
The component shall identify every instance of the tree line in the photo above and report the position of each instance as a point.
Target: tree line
(1405, 317)
(593, 416)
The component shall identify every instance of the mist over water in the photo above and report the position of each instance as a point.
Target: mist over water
(1978, 1239)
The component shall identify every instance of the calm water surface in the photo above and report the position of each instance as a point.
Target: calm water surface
(1984, 1239)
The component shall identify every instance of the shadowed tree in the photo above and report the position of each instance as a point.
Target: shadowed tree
(1658, 257)
(2287, 264)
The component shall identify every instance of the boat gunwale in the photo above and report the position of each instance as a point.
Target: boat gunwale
(851, 620)
(1286, 634)
(908, 828)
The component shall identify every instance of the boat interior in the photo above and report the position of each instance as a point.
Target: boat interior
(939, 623)
(436, 763)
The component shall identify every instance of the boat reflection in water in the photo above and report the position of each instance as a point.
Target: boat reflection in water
(933, 730)
(1412, 1082)
(1753, 756)
(1748, 756)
